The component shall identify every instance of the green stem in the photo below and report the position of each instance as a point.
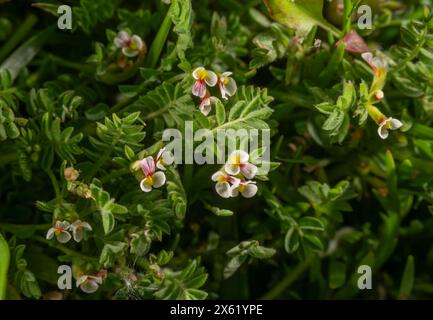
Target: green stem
(63, 248)
(159, 42)
(17, 37)
(290, 278)
(55, 185)
(4, 265)
(68, 64)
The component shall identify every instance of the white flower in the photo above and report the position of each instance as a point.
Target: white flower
(238, 163)
(206, 103)
(61, 231)
(223, 181)
(164, 158)
(131, 46)
(152, 179)
(227, 85)
(78, 228)
(385, 125)
(203, 77)
(247, 189)
(89, 284)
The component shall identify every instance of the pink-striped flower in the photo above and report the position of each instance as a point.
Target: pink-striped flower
(206, 103)
(224, 183)
(152, 179)
(203, 77)
(238, 163)
(377, 64)
(131, 45)
(78, 227)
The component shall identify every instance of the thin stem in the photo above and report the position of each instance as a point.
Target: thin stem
(63, 248)
(68, 64)
(290, 278)
(55, 185)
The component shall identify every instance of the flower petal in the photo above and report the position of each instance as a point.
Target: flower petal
(249, 191)
(145, 187)
(223, 189)
(204, 106)
(383, 133)
(78, 234)
(136, 43)
(211, 78)
(196, 72)
(50, 233)
(217, 174)
(63, 237)
(148, 166)
(249, 170)
(158, 179)
(81, 280)
(232, 169)
(199, 89)
(235, 192)
(129, 52)
(395, 124)
(231, 87)
(89, 286)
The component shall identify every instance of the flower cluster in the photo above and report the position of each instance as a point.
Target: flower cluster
(74, 186)
(153, 178)
(203, 78)
(62, 229)
(235, 177)
(131, 45)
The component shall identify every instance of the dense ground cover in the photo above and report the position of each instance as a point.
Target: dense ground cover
(85, 181)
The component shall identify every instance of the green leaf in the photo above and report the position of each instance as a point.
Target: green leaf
(300, 15)
(4, 266)
(407, 279)
(220, 113)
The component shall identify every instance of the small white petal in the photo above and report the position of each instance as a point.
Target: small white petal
(78, 234)
(145, 187)
(205, 108)
(136, 43)
(232, 169)
(89, 286)
(395, 124)
(211, 78)
(129, 52)
(167, 157)
(226, 74)
(158, 179)
(383, 133)
(223, 189)
(217, 174)
(235, 192)
(196, 72)
(249, 191)
(50, 233)
(63, 237)
(231, 87)
(249, 170)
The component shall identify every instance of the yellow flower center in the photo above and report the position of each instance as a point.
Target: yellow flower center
(225, 80)
(242, 187)
(202, 74)
(221, 179)
(58, 231)
(148, 181)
